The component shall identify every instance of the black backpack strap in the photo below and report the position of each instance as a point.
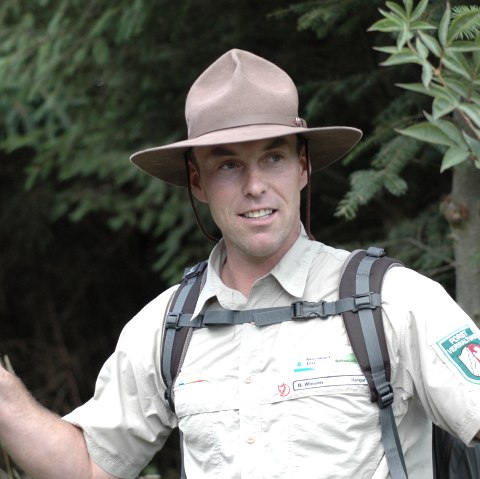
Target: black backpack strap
(363, 277)
(175, 336)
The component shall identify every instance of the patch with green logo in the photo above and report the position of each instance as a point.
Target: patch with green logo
(462, 348)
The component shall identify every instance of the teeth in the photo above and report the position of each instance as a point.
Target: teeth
(258, 213)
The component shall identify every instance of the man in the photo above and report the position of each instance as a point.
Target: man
(272, 402)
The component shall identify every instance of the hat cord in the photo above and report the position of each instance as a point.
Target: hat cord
(187, 157)
(308, 195)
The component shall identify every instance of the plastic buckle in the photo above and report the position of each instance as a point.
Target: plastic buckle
(297, 310)
(385, 395)
(307, 310)
(172, 320)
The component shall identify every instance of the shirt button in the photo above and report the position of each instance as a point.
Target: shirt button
(248, 379)
(251, 439)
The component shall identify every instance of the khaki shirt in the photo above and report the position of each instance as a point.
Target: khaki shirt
(287, 400)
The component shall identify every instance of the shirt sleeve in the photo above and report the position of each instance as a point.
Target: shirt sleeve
(126, 421)
(431, 338)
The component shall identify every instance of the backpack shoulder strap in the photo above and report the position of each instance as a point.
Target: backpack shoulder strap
(362, 277)
(175, 336)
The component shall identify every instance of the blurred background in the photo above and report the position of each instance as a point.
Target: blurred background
(86, 239)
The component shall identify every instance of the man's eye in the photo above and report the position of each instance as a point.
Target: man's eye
(228, 165)
(276, 157)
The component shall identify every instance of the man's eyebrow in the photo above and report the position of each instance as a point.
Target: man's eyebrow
(221, 151)
(276, 143)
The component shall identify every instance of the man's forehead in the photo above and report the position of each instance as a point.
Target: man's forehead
(226, 149)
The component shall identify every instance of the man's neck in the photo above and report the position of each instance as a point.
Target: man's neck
(240, 272)
(242, 275)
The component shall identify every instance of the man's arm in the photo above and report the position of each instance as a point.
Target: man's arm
(41, 443)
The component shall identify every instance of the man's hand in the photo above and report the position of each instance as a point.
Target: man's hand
(40, 442)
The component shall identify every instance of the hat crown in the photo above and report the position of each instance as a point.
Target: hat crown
(240, 89)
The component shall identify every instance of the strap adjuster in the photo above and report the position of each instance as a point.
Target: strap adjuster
(195, 270)
(297, 310)
(364, 301)
(172, 321)
(385, 395)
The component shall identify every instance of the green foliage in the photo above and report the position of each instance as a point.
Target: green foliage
(450, 64)
(322, 17)
(83, 87)
(424, 244)
(387, 165)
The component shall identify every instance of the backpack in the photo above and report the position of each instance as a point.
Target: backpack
(360, 305)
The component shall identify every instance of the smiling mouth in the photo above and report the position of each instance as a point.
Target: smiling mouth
(264, 213)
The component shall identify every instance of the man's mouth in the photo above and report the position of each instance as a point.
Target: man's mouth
(258, 213)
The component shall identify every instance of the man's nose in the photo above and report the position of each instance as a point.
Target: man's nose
(255, 182)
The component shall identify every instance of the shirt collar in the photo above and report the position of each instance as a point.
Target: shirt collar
(291, 272)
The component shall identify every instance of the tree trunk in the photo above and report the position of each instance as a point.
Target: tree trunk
(463, 213)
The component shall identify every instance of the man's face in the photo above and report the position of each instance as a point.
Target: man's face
(253, 191)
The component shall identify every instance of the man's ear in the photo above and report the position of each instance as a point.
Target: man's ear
(195, 183)
(304, 164)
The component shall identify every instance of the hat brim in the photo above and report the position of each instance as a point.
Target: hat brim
(326, 145)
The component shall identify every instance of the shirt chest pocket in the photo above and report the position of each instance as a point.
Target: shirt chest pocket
(201, 392)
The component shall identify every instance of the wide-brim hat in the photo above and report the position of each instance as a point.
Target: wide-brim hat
(243, 97)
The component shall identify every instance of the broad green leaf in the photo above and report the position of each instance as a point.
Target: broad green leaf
(402, 58)
(476, 57)
(452, 157)
(427, 73)
(385, 25)
(443, 26)
(428, 133)
(392, 16)
(422, 50)
(421, 25)
(408, 6)
(472, 111)
(461, 23)
(431, 43)
(442, 107)
(389, 50)
(459, 86)
(464, 46)
(404, 36)
(449, 129)
(416, 87)
(419, 10)
(394, 7)
(473, 144)
(453, 64)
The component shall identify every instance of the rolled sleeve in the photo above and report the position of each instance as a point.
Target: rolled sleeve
(126, 421)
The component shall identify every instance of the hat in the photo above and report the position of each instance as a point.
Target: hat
(243, 97)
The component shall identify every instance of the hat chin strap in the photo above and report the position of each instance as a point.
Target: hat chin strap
(192, 200)
(308, 194)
